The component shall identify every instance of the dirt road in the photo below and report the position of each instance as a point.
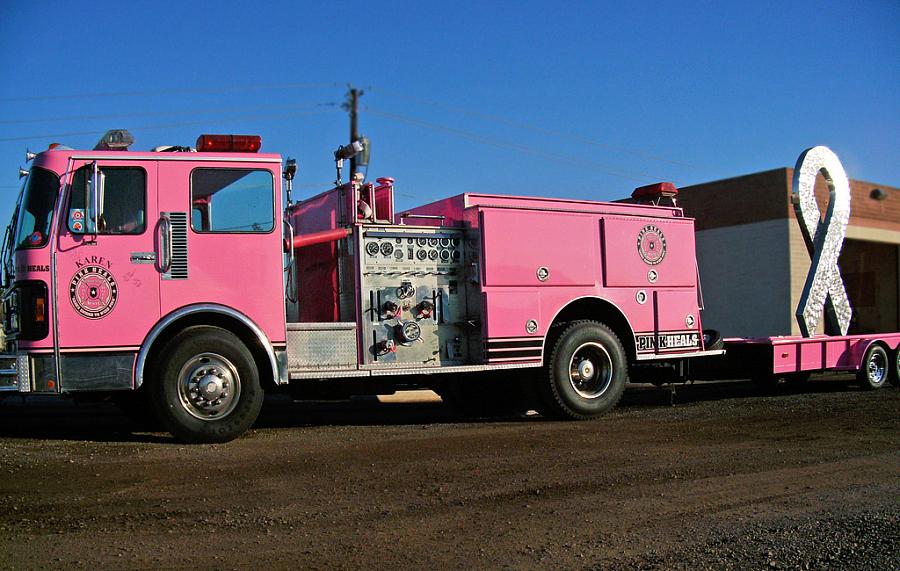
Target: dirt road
(724, 479)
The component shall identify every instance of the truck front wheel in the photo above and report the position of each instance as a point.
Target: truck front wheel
(586, 372)
(206, 386)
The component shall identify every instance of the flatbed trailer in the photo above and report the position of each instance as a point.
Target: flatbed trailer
(874, 358)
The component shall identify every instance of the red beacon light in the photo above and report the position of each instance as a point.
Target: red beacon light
(229, 143)
(655, 193)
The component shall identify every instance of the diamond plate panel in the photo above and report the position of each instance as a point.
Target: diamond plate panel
(321, 346)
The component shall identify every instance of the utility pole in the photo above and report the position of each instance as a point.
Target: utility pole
(352, 105)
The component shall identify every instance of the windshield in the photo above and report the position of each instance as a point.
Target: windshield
(36, 210)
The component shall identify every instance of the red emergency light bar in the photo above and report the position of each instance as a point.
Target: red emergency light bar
(229, 143)
(656, 193)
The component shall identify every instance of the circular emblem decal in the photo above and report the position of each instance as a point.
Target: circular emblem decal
(651, 244)
(93, 291)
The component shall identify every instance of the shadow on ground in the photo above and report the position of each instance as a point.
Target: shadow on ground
(49, 418)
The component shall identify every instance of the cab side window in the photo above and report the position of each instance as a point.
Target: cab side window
(232, 200)
(121, 201)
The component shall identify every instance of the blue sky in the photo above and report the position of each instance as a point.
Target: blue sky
(579, 99)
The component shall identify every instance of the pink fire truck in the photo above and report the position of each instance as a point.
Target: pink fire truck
(181, 280)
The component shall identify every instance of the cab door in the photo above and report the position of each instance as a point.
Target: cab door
(107, 270)
(227, 248)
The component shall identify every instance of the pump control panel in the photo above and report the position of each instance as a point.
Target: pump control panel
(413, 296)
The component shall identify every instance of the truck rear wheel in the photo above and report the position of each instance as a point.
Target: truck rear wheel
(874, 369)
(206, 386)
(586, 373)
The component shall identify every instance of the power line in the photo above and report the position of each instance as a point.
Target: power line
(170, 91)
(166, 113)
(167, 126)
(533, 128)
(563, 159)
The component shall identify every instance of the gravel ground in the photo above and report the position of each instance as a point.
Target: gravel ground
(722, 479)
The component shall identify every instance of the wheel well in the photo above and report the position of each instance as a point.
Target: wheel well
(226, 322)
(594, 309)
(879, 342)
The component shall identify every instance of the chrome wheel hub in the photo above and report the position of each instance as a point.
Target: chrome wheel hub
(209, 386)
(590, 370)
(877, 369)
(585, 369)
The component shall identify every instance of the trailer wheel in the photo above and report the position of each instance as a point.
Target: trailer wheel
(874, 369)
(206, 386)
(586, 373)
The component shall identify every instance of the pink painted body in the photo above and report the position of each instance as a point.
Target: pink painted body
(590, 251)
(239, 271)
(794, 354)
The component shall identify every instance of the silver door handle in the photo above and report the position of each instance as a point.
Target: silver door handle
(142, 257)
(165, 243)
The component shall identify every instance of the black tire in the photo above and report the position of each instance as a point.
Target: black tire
(206, 386)
(712, 340)
(586, 373)
(895, 372)
(874, 369)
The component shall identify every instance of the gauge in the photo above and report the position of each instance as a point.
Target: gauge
(445, 242)
(445, 255)
(387, 248)
(454, 241)
(432, 241)
(372, 248)
(456, 254)
(432, 255)
(421, 254)
(422, 241)
(398, 240)
(410, 332)
(409, 240)
(398, 254)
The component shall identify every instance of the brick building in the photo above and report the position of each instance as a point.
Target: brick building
(753, 261)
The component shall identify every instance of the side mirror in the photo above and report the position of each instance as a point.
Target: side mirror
(87, 220)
